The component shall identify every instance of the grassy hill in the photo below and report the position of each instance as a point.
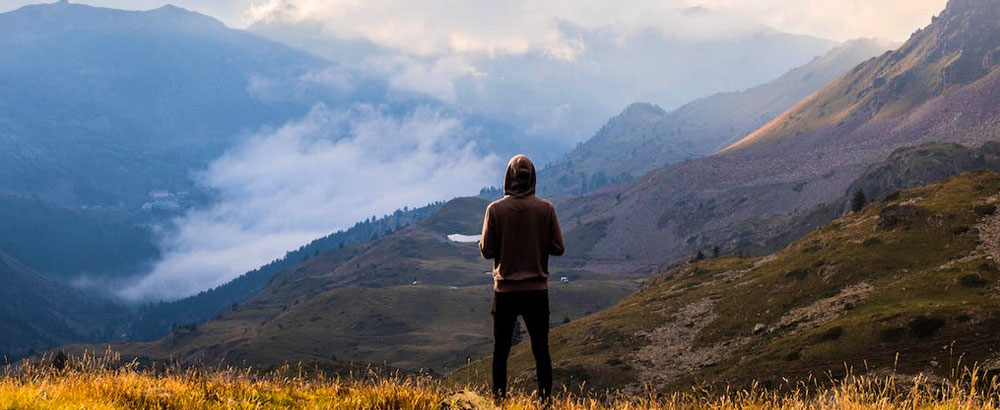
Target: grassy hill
(412, 299)
(908, 283)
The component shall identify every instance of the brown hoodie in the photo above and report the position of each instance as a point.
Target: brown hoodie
(520, 231)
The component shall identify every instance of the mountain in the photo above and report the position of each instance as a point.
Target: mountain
(109, 119)
(808, 156)
(105, 113)
(40, 314)
(562, 97)
(905, 168)
(644, 137)
(906, 285)
(413, 299)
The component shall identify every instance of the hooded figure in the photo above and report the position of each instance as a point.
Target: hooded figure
(520, 231)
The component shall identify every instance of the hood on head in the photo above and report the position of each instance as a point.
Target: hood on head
(520, 178)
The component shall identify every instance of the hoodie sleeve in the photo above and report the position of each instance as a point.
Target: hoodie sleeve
(556, 247)
(487, 242)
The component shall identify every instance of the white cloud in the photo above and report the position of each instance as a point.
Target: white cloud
(517, 25)
(437, 27)
(434, 27)
(312, 176)
(838, 19)
(430, 76)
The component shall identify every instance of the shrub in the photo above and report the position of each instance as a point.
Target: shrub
(797, 274)
(973, 280)
(892, 196)
(925, 326)
(858, 201)
(832, 334)
(871, 242)
(986, 210)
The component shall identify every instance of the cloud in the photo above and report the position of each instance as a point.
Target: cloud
(518, 25)
(435, 27)
(312, 176)
(838, 19)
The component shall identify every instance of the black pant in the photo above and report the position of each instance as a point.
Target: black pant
(534, 308)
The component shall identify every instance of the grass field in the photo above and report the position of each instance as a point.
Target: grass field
(103, 383)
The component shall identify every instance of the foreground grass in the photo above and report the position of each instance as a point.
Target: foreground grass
(90, 383)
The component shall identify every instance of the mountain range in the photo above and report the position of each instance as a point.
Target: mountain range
(645, 137)
(562, 98)
(108, 117)
(927, 90)
(797, 281)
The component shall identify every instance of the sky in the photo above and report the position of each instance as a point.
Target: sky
(434, 26)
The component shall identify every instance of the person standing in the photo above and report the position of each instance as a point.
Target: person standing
(520, 231)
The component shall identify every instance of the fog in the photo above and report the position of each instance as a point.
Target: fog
(306, 179)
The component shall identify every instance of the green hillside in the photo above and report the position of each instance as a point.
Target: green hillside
(908, 283)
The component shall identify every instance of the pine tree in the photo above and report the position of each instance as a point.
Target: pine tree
(858, 201)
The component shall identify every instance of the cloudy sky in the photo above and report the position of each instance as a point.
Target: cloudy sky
(513, 25)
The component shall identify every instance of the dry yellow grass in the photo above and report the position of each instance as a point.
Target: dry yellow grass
(101, 383)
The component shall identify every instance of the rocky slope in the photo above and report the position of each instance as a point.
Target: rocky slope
(645, 137)
(908, 283)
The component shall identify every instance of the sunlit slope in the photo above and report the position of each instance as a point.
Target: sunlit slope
(411, 299)
(956, 53)
(914, 275)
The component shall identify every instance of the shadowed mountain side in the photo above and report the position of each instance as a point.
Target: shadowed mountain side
(413, 299)
(677, 210)
(644, 137)
(909, 275)
(39, 313)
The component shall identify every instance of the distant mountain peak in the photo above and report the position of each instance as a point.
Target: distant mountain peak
(643, 109)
